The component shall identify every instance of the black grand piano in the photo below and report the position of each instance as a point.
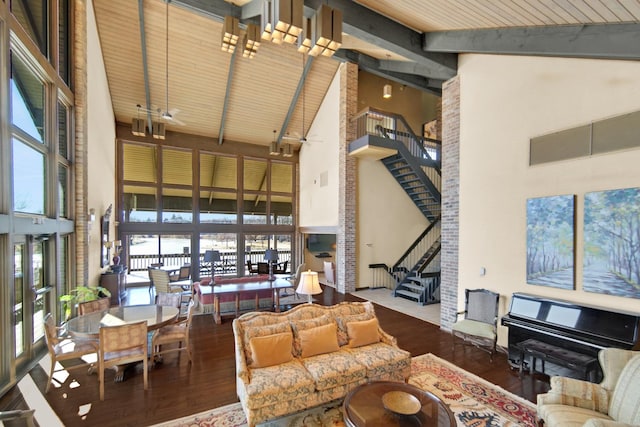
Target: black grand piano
(579, 329)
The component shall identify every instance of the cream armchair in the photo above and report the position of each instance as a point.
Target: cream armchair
(613, 402)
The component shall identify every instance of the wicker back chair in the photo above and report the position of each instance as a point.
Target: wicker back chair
(100, 304)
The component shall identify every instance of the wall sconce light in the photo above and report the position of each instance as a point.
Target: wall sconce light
(251, 41)
(386, 91)
(230, 34)
(158, 130)
(92, 215)
(327, 32)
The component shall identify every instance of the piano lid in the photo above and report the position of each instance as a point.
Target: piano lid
(587, 319)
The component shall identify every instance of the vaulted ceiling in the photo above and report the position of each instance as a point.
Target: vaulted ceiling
(167, 56)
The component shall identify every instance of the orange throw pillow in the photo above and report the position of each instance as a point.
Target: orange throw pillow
(319, 340)
(364, 332)
(271, 350)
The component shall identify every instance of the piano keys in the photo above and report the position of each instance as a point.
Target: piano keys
(576, 327)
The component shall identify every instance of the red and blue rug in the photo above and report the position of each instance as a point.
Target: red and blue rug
(474, 402)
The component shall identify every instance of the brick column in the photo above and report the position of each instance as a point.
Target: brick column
(80, 143)
(346, 239)
(450, 201)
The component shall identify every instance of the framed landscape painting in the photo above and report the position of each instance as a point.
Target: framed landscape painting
(611, 262)
(551, 241)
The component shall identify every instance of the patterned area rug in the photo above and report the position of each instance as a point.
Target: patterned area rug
(474, 402)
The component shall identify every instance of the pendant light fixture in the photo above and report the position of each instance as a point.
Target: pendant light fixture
(386, 90)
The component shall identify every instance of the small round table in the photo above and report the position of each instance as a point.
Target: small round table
(363, 407)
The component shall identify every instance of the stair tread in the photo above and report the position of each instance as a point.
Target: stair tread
(408, 294)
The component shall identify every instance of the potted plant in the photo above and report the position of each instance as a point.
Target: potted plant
(82, 294)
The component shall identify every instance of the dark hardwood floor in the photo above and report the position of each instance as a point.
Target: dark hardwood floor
(177, 389)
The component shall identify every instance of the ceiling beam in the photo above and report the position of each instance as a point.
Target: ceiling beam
(294, 100)
(597, 41)
(380, 68)
(227, 94)
(357, 21)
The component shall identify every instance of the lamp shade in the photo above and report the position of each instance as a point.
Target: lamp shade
(271, 255)
(211, 256)
(309, 284)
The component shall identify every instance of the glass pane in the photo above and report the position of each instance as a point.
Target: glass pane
(218, 207)
(62, 190)
(63, 134)
(176, 167)
(255, 175)
(143, 250)
(27, 100)
(18, 310)
(175, 250)
(63, 273)
(28, 179)
(218, 171)
(32, 15)
(281, 177)
(63, 35)
(140, 163)
(37, 265)
(281, 210)
(140, 204)
(39, 310)
(177, 205)
(255, 209)
(226, 244)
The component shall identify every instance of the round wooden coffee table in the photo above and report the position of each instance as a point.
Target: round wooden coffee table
(364, 406)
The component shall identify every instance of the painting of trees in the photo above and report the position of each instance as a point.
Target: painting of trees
(550, 241)
(612, 242)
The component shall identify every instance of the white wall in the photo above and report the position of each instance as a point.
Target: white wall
(101, 158)
(318, 159)
(504, 102)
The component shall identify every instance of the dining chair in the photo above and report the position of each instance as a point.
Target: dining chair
(173, 333)
(100, 304)
(64, 348)
(162, 283)
(153, 266)
(184, 273)
(120, 345)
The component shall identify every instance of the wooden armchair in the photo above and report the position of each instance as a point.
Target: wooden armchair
(183, 274)
(251, 268)
(175, 333)
(120, 345)
(64, 348)
(280, 268)
(480, 323)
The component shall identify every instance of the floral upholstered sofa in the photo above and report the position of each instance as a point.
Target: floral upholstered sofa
(309, 355)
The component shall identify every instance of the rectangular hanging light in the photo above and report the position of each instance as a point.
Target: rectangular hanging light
(327, 35)
(251, 41)
(230, 33)
(265, 20)
(287, 150)
(274, 150)
(158, 130)
(138, 127)
(286, 20)
(305, 37)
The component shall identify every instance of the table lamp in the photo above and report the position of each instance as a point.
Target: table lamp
(309, 284)
(211, 257)
(271, 255)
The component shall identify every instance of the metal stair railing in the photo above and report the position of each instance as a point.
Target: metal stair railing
(415, 253)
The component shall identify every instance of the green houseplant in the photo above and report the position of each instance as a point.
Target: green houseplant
(82, 294)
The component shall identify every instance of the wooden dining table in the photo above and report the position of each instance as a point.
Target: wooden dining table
(88, 326)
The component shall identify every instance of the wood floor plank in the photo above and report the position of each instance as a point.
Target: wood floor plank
(177, 389)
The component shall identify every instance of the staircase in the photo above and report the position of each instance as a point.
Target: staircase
(414, 162)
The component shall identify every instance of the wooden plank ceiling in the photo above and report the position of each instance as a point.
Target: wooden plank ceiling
(263, 88)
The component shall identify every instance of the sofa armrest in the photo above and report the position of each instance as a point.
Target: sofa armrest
(600, 422)
(577, 393)
(242, 370)
(386, 338)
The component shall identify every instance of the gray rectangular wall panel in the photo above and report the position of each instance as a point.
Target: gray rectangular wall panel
(563, 145)
(617, 133)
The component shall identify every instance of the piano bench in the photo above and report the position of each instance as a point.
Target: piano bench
(585, 364)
